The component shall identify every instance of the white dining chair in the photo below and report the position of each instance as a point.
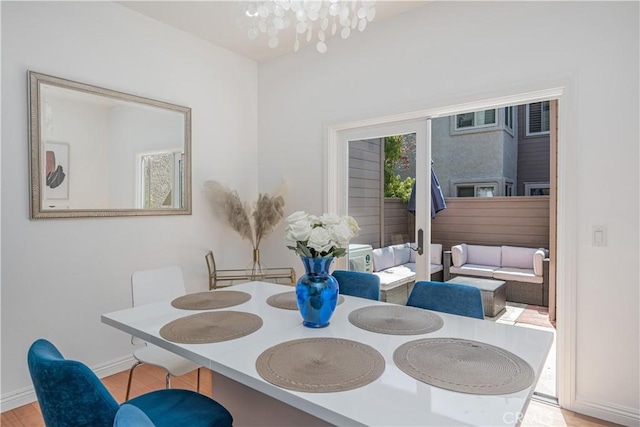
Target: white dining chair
(148, 287)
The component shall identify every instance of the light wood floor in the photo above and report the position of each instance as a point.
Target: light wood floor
(148, 378)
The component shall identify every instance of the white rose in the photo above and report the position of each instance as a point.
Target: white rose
(341, 234)
(298, 231)
(352, 224)
(320, 240)
(315, 220)
(297, 216)
(330, 219)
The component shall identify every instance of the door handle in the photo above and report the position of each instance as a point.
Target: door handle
(420, 241)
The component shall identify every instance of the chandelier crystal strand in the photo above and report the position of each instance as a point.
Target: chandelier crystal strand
(313, 17)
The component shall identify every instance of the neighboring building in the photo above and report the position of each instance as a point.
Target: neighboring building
(475, 154)
(496, 152)
(533, 149)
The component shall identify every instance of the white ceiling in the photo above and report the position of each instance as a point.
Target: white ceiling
(217, 21)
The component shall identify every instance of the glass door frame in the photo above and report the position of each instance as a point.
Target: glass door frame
(337, 177)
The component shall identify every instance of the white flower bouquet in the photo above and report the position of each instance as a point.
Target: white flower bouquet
(320, 237)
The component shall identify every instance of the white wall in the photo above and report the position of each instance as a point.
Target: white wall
(58, 276)
(134, 131)
(448, 53)
(84, 128)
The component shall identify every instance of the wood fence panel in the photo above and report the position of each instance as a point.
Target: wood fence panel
(396, 221)
(514, 221)
(365, 189)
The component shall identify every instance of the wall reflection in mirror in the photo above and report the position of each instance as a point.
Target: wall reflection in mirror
(98, 152)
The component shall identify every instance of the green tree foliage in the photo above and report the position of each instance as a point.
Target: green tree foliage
(395, 154)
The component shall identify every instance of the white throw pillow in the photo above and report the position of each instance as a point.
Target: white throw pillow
(459, 254)
(412, 256)
(538, 261)
(383, 258)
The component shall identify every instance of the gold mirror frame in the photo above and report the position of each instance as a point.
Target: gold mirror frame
(37, 175)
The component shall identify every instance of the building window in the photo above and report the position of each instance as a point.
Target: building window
(537, 189)
(538, 118)
(508, 189)
(476, 190)
(160, 180)
(508, 118)
(465, 191)
(476, 119)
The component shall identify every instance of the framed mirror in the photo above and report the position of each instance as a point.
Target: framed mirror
(96, 152)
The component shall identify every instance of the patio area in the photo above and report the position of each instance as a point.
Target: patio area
(533, 316)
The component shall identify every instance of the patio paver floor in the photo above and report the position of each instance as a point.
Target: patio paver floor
(531, 316)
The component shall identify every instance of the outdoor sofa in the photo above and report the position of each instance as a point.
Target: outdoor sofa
(396, 267)
(524, 270)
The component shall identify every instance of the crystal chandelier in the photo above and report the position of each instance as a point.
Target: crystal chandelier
(321, 18)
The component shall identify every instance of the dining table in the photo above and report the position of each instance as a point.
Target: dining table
(395, 370)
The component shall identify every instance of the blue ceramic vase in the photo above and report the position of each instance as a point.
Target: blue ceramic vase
(317, 292)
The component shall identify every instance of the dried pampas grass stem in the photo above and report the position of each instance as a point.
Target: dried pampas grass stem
(251, 223)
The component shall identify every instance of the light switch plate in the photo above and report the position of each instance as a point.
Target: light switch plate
(599, 236)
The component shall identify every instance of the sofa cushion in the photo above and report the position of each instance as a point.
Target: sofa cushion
(517, 274)
(517, 257)
(484, 255)
(389, 279)
(407, 270)
(436, 253)
(474, 270)
(383, 258)
(401, 253)
(459, 254)
(434, 268)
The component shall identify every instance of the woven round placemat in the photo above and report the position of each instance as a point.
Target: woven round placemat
(464, 365)
(210, 300)
(209, 327)
(395, 320)
(320, 365)
(287, 300)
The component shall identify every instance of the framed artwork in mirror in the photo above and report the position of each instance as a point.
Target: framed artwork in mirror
(56, 171)
(131, 156)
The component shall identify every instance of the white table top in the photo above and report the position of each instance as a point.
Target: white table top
(394, 399)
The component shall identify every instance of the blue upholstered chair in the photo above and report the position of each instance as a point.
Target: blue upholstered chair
(71, 395)
(131, 416)
(451, 298)
(357, 284)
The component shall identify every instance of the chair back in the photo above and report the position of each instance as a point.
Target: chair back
(450, 298)
(151, 286)
(69, 393)
(358, 284)
(211, 266)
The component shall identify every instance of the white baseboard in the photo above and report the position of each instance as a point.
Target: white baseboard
(26, 395)
(607, 411)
